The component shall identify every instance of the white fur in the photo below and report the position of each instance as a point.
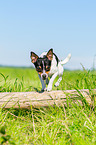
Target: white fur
(54, 71)
(66, 59)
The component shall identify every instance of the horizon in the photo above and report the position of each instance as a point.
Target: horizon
(33, 67)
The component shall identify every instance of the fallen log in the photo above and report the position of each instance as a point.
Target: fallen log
(36, 99)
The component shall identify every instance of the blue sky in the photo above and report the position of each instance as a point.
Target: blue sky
(67, 26)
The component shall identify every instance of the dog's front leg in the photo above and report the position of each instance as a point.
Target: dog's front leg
(43, 84)
(49, 88)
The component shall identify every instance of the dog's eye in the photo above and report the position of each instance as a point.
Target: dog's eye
(47, 67)
(39, 68)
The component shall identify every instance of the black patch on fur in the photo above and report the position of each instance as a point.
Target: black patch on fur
(56, 58)
(42, 64)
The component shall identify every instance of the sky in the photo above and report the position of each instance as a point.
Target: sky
(67, 26)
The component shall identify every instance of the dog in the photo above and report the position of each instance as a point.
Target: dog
(48, 65)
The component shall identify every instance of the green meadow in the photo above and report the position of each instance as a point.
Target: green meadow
(73, 124)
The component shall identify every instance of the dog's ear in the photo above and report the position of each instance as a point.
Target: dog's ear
(34, 57)
(50, 54)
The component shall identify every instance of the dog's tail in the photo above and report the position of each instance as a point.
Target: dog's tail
(66, 59)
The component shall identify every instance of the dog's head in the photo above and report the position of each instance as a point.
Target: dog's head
(42, 65)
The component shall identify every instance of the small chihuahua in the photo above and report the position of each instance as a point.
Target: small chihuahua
(48, 65)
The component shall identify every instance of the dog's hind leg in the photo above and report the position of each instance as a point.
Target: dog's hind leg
(58, 82)
(60, 73)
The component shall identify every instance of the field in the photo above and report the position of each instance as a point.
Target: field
(73, 124)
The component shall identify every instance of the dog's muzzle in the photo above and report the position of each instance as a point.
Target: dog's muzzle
(44, 76)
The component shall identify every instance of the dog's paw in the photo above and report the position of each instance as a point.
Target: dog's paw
(45, 89)
(56, 84)
(49, 88)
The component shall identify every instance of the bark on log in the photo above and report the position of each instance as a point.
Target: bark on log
(35, 99)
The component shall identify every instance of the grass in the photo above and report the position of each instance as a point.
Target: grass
(67, 125)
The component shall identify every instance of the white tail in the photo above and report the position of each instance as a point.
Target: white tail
(66, 59)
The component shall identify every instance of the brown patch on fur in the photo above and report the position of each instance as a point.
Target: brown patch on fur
(47, 72)
(40, 73)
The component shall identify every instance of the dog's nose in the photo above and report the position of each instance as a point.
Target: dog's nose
(44, 76)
